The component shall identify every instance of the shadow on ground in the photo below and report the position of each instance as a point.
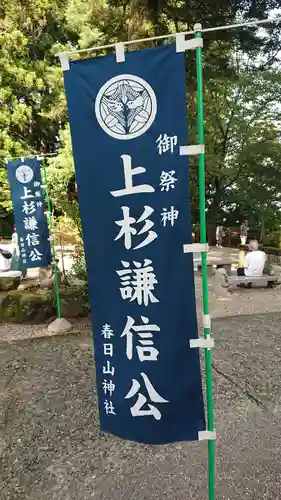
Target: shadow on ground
(51, 447)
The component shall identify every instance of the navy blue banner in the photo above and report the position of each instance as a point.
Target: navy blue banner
(128, 121)
(28, 203)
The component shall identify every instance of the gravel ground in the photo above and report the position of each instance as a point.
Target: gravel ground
(12, 332)
(241, 301)
(51, 447)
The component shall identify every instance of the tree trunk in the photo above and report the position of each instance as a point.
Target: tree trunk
(212, 215)
(262, 229)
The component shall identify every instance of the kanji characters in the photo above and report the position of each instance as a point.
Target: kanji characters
(166, 143)
(27, 194)
(35, 255)
(129, 172)
(108, 387)
(32, 239)
(108, 369)
(167, 180)
(30, 223)
(138, 283)
(154, 397)
(146, 351)
(28, 207)
(128, 231)
(169, 216)
(109, 408)
(108, 349)
(107, 331)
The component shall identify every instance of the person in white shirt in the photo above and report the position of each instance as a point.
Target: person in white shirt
(254, 262)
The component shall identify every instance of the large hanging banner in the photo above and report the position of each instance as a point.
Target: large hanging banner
(28, 203)
(127, 123)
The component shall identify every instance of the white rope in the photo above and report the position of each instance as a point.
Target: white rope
(128, 42)
(172, 35)
(241, 25)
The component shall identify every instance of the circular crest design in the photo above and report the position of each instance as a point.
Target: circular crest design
(125, 107)
(24, 174)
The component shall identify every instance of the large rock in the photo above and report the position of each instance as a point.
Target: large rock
(8, 283)
(274, 270)
(47, 277)
(220, 284)
(73, 303)
(60, 325)
(24, 307)
(28, 287)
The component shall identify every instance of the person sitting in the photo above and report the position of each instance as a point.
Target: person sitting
(254, 262)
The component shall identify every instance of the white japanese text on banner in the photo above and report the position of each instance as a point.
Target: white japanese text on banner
(128, 122)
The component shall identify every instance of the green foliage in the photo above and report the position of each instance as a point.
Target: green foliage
(242, 91)
(66, 225)
(60, 171)
(31, 88)
(79, 271)
(242, 140)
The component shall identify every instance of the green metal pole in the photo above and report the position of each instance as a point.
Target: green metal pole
(50, 222)
(203, 239)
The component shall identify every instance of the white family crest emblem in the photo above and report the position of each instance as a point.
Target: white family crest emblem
(24, 174)
(126, 107)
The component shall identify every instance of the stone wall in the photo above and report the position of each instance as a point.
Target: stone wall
(21, 306)
(273, 259)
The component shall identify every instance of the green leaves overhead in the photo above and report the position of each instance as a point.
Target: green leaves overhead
(242, 88)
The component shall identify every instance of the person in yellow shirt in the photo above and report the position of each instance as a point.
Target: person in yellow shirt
(241, 262)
